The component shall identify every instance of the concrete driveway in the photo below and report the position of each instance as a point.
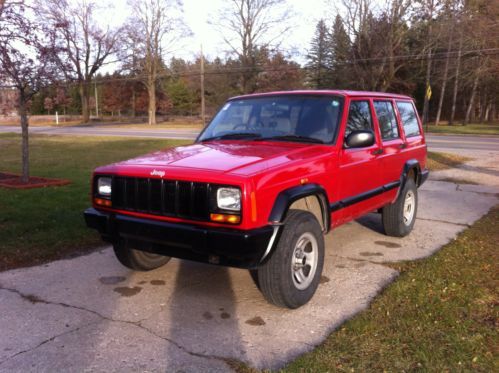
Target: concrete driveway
(91, 314)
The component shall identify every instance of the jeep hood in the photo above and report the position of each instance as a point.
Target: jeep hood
(238, 157)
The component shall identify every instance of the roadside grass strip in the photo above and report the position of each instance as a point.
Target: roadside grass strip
(470, 129)
(438, 161)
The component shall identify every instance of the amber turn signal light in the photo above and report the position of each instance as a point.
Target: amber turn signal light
(225, 218)
(103, 202)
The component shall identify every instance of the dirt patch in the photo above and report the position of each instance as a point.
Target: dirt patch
(112, 280)
(390, 245)
(255, 321)
(367, 253)
(126, 291)
(13, 181)
(158, 282)
(207, 315)
(324, 279)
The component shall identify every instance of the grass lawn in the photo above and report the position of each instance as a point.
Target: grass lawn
(470, 129)
(441, 161)
(43, 224)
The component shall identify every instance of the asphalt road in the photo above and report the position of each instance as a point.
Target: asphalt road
(435, 142)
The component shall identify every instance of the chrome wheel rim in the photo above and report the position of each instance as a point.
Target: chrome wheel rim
(409, 207)
(304, 261)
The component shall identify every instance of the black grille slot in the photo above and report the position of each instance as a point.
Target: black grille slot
(162, 197)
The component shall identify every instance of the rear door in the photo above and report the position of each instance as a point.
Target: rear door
(392, 142)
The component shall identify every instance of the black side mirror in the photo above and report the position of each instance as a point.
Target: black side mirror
(359, 139)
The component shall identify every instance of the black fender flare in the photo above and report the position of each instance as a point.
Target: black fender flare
(411, 164)
(286, 198)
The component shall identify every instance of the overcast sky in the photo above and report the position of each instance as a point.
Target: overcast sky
(197, 13)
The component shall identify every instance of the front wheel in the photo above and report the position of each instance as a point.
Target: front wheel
(400, 216)
(291, 275)
(138, 260)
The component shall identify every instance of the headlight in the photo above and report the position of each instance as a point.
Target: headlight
(229, 199)
(104, 186)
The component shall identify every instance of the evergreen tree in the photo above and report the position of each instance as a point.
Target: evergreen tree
(340, 44)
(319, 58)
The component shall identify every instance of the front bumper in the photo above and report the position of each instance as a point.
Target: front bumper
(229, 247)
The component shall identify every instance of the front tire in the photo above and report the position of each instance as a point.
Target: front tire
(138, 260)
(291, 275)
(400, 216)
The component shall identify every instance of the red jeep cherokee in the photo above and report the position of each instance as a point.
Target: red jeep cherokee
(263, 183)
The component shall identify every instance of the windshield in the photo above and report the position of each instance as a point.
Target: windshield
(285, 118)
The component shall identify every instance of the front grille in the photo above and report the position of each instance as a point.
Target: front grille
(174, 198)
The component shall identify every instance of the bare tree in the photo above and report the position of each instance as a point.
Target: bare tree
(25, 62)
(248, 26)
(84, 45)
(154, 29)
(379, 36)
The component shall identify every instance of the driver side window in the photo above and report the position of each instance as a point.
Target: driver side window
(359, 117)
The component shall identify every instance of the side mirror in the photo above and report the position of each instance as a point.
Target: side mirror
(359, 139)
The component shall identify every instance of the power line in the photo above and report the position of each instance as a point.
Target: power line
(466, 54)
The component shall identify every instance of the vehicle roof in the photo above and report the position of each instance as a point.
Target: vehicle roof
(345, 93)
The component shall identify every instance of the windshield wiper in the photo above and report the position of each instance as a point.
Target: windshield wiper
(234, 136)
(293, 138)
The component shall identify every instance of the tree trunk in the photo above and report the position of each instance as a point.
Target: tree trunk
(133, 102)
(151, 89)
(444, 82)
(487, 112)
(472, 99)
(85, 108)
(25, 137)
(456, 81)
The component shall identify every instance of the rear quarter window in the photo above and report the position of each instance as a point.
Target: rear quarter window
(409, 118)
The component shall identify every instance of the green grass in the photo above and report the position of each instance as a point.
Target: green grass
(441, 161)
(441, 315)
(470, 129)
(39, 225)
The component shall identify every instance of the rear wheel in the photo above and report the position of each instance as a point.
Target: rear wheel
(291, 275)
(138, 260)
(400, 216)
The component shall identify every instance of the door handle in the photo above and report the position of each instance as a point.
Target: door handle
(377, 151)
(403, 146)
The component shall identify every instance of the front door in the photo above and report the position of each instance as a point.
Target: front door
(359, 173)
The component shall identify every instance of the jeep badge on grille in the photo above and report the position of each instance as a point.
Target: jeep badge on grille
(157, 173)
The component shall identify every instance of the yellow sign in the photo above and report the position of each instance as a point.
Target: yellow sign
(428, 92)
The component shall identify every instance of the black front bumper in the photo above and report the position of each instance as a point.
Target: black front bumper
(229, 247)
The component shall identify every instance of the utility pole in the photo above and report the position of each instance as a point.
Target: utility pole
(96, 99)
(203, 108)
